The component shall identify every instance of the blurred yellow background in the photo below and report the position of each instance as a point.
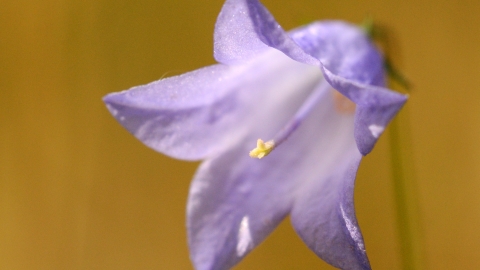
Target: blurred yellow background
(77, 191)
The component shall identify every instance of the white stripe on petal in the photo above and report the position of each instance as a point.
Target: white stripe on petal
(376, 130)
(353, 230)
(244, 237)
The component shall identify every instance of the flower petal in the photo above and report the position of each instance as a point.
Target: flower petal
(323, 211)
(353, 66)
(348, 59)
(324, 216)
(183, 116)
(234, 203)
(243, 29)
(343, 49)
(376, 106)
(235, 38)
(233, 190)
(194, 115)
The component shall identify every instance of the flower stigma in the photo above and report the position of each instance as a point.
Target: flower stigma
(262, 149)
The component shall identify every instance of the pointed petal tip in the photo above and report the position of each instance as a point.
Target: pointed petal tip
(116, 103)
(245, 29)
(111, 102)
(368, 133)
(235, 39)
(107, 99)
(114, 99)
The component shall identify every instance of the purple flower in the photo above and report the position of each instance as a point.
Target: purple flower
(272, 85)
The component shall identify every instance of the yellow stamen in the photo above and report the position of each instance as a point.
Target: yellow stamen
(262, 149)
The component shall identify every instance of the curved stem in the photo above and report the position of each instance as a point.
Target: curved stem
(406, 199)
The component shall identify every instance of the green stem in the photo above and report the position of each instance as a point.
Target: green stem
(406, 199)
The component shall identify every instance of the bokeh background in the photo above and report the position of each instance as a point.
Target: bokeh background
(79, 192)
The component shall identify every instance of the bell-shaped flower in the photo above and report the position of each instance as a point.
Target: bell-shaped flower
(315, 95)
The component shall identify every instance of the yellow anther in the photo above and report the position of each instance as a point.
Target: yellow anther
(262, 149)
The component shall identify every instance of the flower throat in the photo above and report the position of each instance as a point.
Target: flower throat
(342, 105)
